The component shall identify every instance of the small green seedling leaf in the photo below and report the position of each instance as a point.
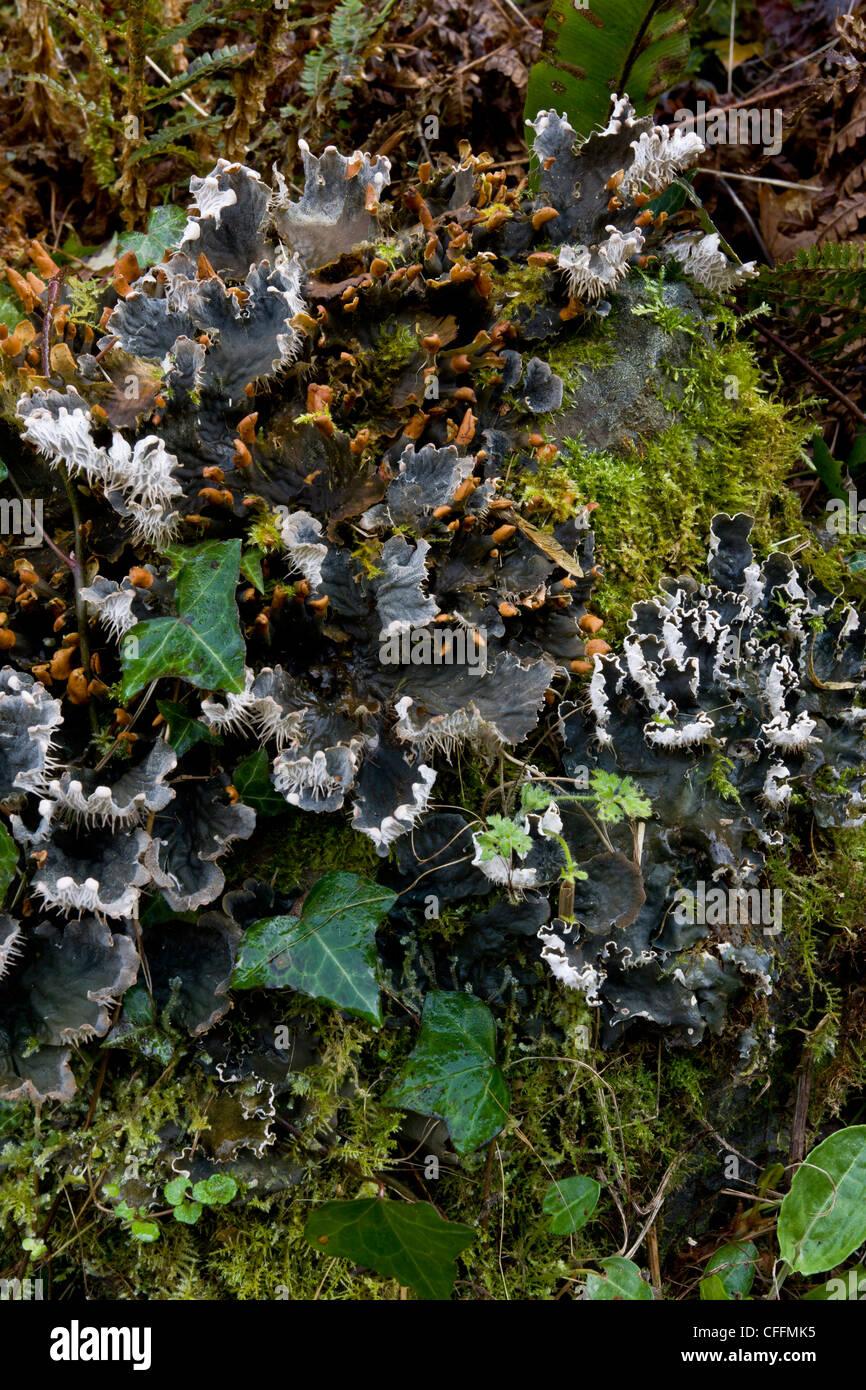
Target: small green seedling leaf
(617, 798)
(503, 837)
(8, 861)
(535, 798)
(175, 1190)
(187, 1213)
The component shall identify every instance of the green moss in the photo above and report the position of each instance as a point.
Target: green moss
(626, 1117)
(85, 298)
(720, 780)
(297, 848)
(591, 344)
(823, 883)
(518, 289)
(574, 1110)
(396, 346)
(264, 533)
(667, 316)
(548, 490)
(822, 878)
(391, 252)
(729, 447)
(368, 554)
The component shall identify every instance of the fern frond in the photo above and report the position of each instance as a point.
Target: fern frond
(319, 67)
(831, 255)
(201, 14)
(821, 291)
(204, 66)
(165, 140)
(353, 27)
(90, 29)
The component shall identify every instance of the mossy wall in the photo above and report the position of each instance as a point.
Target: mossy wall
(666, 421)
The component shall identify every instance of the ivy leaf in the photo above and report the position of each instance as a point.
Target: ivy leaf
(8, 861)
(621, 1280)
(329, 952)
(452, 1072)
(11, 309)
(822, 1219)
(406, 1241)
(164, 229)
(184, 730)
(203, 644)
(137, 1030)
(634, 46)
(570, 1203)
(252, 782)
(734, 1266)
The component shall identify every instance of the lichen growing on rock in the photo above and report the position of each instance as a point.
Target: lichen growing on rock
(337, 610)
(730, 702)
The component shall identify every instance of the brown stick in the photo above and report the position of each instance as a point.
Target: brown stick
(813, 372)
(50, 302)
